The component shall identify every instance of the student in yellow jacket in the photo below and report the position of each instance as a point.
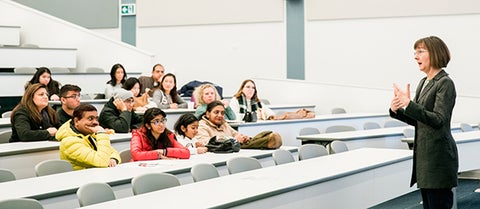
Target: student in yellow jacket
(84, 143)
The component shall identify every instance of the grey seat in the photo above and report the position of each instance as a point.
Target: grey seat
(241, 164)
(21, 203)
(337, 147)
(48, 167)
(339, 128)
(338, 110)
(25, 70)
(59, 70)
(6, 114)
(93, 193)
(29, 45)
(309, 130)
(125, 155)
(265, 101)
(394, 123)
(371, 125)
(6, 175)
(308, 151)
(150, 182)
(5, 136)
(281, 156)
(204, 171)
(466, 127)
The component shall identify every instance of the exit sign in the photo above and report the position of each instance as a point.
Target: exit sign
(127, 9)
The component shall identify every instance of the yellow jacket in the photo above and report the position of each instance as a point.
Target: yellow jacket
(80, 151)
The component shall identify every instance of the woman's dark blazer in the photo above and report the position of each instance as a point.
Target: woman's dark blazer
(435, 157)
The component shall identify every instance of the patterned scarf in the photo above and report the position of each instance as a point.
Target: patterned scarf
(242, 103)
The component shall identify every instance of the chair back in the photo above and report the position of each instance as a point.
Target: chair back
(337, 147)
(339, 128)
(150, 182)
(5, 136)
(466, 127)
(6, 175)
(371, 125)
(25, 70)
(125, 155)
(281, 156)
(241, 164)
(308, 151)
(394, 123)
(309, 130)
(48, 167)
(408, 132)
(338, 110)
(204, 171)
(59, 70)
(94, 70)
(265, 101)
(6, 114)
(20, 203)
(93, 193)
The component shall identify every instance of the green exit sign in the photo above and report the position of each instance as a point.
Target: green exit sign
(127, 9)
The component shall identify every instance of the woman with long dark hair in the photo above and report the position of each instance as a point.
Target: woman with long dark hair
(166, 97)
(44, 76)
(118, 75)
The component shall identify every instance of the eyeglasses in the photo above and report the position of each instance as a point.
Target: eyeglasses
(158, 121)
(74, 96)
(421, 51)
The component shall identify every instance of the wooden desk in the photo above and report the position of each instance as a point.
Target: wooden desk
(354, 179)
(379, 138)
(290, 107)
(58, 190)
(21, 157)
(468, 145)
(289, 129)
(33, 57)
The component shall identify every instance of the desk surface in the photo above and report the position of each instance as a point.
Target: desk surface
(247, 187)
(67, 183)
(460, 137)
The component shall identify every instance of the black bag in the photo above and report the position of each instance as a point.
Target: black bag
(223, 145)
(250, 117)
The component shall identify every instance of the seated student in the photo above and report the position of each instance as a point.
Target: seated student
(141, 101)
(166, 97)
(204, 95)
(84, 143)
(70, 99)
(154, 141)
(186, 128)
(33, 119)
(246, 101)
(152, 82)
(213, 124)
(118, 75)
(44, 76)
(118, 114)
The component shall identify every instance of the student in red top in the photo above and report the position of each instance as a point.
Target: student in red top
(154, 141)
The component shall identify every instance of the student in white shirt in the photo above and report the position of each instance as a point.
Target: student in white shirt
(186, 129)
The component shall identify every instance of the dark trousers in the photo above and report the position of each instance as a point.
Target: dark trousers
(437, 198)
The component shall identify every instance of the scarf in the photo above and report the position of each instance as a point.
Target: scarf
(242, 103)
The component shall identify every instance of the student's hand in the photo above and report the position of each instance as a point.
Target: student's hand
(96, 129)
(112, 163)
(52, 131)
(119, 105)
(225, 103)
(241, 138)
(54, 97)
(174, 106)
(199, 144)
(201, 150)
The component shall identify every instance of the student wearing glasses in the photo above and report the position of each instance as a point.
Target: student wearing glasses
(84, 143)
(70, 99)
(153, 141)
(118, 114)
(33, 119)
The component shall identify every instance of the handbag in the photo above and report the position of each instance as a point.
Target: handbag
(250, 117)
(228, 145)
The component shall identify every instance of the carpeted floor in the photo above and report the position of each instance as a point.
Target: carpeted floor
(466, 197)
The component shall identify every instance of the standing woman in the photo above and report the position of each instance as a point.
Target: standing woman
(166, 97)
(153, 141)
(435, 157)
(44, 76)
(246, 100)
(117, 78)
(33, 119)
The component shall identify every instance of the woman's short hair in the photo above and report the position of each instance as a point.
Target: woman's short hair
(198, 93)
(438, 50)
